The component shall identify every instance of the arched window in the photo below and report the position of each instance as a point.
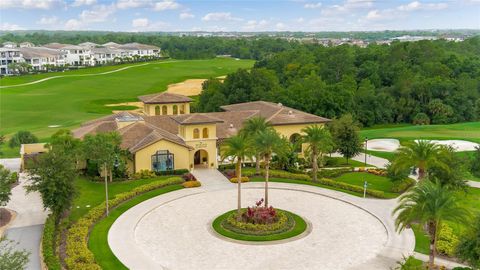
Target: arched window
(196, 133)
(164, 110)
(295, 139)
(205, 133)
(175, 109)
(157, 110)
(182, 109)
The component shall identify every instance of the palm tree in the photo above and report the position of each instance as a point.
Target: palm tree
(429, 204)
(421, 154)
(237, 147)
(252, 128)
(267, 143)
(319, 141)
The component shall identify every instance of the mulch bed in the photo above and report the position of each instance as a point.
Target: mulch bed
(5, 217)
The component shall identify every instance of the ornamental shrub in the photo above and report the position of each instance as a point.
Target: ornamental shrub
(403, 185)
(189, 177)
(421, 119)
(49, 244)
(79, 257)
(278, 174)
(244, 179)
(144, 174)
(349, 187)
(172, 172)
(191, 184)
(333, 173)
(447, 241)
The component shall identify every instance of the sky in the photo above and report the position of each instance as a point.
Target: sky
(238, 15)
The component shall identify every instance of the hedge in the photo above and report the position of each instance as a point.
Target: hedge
(49, 244)
(79, 257)
(191, 184)
(235, 180)
(278, 174)
(334, 173)
(345, 186)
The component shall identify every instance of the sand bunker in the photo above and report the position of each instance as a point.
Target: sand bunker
(386, 145)
(137, 104)
(459, 145)
(192, 87)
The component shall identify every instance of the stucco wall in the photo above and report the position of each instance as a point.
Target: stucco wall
(143, 158)
(149, 109)
(209, 145)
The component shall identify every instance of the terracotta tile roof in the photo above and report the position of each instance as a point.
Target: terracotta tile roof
(94, 128)
(232, 122)
(196, 118)
(164, 122)
(163, 98)
(277, 114)
(140, 135)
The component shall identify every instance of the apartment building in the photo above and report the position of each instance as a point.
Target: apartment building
(9, 55)
(39, 57)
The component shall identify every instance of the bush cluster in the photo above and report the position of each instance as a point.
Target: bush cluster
(447, 241)
(378, 172)
(189, 177)
(349, 187)
(191, 184)
(49, 244)
(143, 174)
(333, 173)
(403, 185)
(245, 227)
(79, 257)
(172, 172)
(243, 180)
(278, 173)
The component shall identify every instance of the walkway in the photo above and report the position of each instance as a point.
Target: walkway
(80, 75)
(27, 227)
(172, 231)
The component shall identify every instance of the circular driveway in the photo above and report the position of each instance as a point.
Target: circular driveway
(172, 231)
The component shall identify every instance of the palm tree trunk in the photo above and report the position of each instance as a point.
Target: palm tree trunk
(421, 173)
(257, 164)
(106, 185)
(432, 230)
(267, 171)
(314, 165)
(239, 182)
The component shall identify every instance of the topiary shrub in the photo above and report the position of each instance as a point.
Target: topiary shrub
(447, 241)
(244, 179)
(421, 119)
(191, 184)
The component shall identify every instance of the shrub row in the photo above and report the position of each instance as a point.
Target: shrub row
(333, 173)
(49, 244)
(146, 174)
(242, 227)
(403, 185)
(244, 179)
(191, 184)
(349, 187)
(279, 174)
(79, 257)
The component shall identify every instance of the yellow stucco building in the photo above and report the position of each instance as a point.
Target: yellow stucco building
(167, 136)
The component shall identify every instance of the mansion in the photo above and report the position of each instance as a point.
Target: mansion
(166, 136)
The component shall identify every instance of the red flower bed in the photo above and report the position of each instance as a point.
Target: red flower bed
(259, 214)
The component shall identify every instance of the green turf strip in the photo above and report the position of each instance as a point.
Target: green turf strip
(98, 241)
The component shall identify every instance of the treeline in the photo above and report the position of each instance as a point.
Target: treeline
(423, 82)
(188, 47)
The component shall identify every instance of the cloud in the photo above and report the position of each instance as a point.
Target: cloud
(74, 24)
(140, 22)
(346, 6)
(300, 20)
(125, 4)
(10, 27)
(186, 15)
(79, 3)
(99, 13)
(253, 25)
(312, 5)
(52, 20)
(30, 4)
(280, 26)
(219, 16)
(416, 5)
(166, 5)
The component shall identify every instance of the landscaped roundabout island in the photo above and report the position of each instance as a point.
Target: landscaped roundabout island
(260, 223)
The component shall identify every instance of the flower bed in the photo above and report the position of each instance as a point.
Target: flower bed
(259, 223)
(78, 254)
(191, 184)
(235, 180)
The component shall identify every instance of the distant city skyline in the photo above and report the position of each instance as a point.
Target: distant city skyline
(242, 16)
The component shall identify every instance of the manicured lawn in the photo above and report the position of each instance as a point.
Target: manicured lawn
(386, 155)
(374, 181)
(93, 193)
(302, 182)
(462, 131)
(98, 240)
(72, 100)
(342, 162)
(422, 242)
(300, 227)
